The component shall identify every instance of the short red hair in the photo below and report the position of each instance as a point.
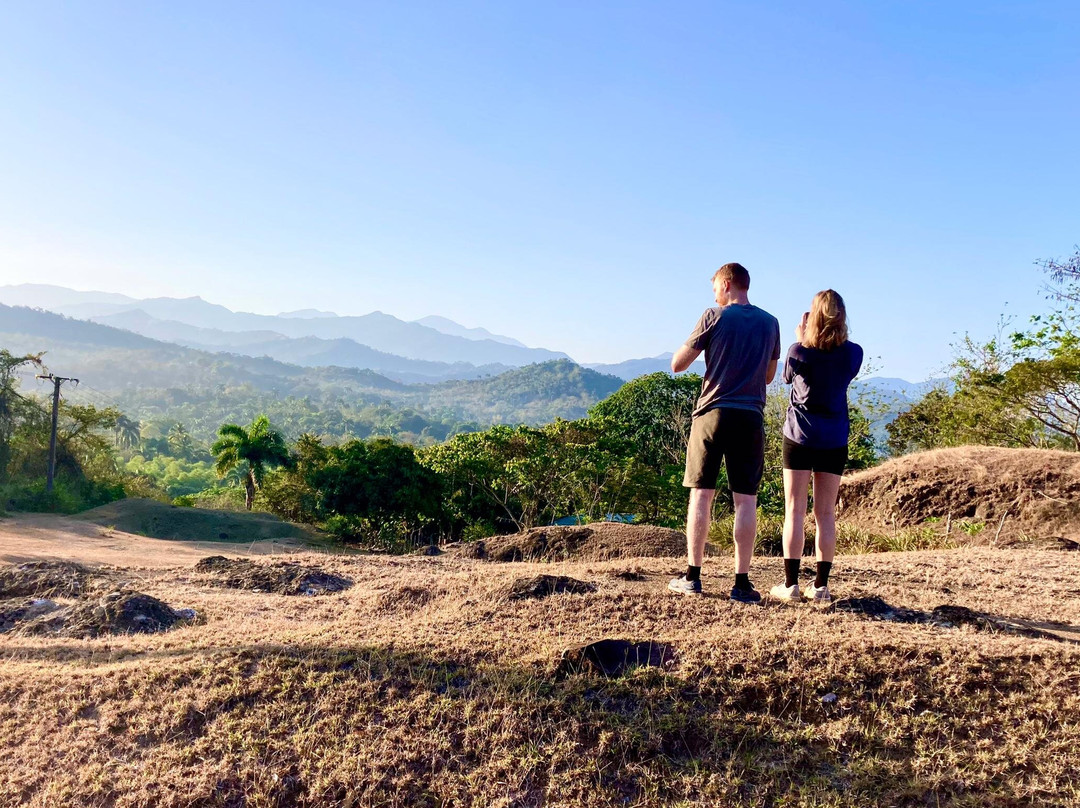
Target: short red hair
(736, 273)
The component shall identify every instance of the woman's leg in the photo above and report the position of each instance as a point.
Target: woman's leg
(826, 492)
(796, 486)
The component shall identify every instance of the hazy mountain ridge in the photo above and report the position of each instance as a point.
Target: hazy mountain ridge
(152, 379)
(379, 331)
(632, 368)
(305, 351)
(447, 326)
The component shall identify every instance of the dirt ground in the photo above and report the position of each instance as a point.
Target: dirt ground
(1016, 495)
(29, 537)
(425, 684)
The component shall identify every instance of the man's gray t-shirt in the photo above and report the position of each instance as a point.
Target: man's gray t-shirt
(738, 341)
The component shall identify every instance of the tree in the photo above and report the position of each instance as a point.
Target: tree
(127, 432)
(652, 415)
(1016, 389)
(254, 450)
(1066, 274)
(11, 403)
(180, 441)
(377, 490)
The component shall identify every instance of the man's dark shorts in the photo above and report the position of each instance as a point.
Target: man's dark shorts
(737, 436)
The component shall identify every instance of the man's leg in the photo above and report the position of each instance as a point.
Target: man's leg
(703, 460)
(698, 519)
(745, 531)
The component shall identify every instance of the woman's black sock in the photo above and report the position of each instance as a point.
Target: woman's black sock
(742, 581)
(791, 571)
(693, 573)
(823, 568)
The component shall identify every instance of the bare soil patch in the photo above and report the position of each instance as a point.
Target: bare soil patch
(282, 578)
(36, 536)
(599, 541)
(1027, 494)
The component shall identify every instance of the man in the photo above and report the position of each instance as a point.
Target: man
(742, 346)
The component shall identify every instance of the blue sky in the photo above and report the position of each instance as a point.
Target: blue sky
(566, 173)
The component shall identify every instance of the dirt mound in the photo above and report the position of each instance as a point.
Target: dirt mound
(543, 585)
(148, 517)
(120, 612)
(599, 541)
(1027, 493)
(283, 578)
(44, 579)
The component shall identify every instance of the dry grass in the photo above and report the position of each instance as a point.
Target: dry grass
(423, 685)
(1015, 495)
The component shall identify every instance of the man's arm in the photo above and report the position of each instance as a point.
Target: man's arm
(770, 371)
(684, 358)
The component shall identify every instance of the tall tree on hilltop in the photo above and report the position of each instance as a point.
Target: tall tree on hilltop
(259, 447)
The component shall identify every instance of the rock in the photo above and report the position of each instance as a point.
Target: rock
(187, 614)
(543, 585)
(40, 606)
(611, 658)
(828, 698)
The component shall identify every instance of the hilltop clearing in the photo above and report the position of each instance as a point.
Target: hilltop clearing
(451, 681)
(1026, 494)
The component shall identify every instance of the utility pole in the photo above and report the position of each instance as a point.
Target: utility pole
(57, 381)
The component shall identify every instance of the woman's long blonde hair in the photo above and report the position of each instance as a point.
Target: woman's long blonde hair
(826, 327)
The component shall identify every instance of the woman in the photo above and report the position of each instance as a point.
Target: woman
(819, 368)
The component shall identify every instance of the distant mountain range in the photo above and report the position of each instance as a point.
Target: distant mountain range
(427, 351)
(153, 379)
(632, 368)
(378, 331)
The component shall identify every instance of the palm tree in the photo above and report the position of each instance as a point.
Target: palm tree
(127, 432)
(180, 442)
(259, 446)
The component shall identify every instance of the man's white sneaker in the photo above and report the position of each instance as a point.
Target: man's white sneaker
(817, 594)
(787, 593)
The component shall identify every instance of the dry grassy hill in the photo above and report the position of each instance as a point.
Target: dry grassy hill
(1018, 494)
(425, 683)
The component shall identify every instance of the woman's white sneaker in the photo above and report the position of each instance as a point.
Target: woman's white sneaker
(787, 593)
(817, 594)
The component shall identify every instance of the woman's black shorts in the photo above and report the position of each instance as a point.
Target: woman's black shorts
(803, 458)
